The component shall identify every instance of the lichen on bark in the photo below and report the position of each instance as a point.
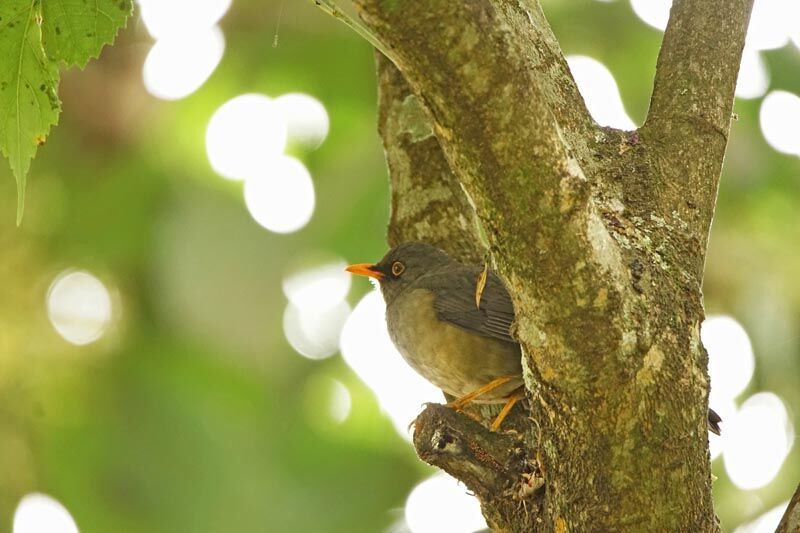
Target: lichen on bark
(599, 234)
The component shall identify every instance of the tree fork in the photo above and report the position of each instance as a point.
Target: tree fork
(599, 234)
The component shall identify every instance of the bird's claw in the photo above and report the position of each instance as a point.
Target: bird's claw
(471, 415)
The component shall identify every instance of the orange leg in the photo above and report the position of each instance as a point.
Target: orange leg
(465, 400)
(510, 402)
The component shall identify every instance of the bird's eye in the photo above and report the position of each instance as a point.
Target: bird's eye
(397, 268)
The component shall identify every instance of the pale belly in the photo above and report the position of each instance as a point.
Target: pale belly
(453, 359)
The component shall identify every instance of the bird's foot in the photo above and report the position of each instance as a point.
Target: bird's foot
(510, 402)
(470, 414)
(474, 416)
(467, 399)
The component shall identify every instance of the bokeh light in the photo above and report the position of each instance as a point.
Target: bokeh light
(40, 513)
(730, 357)
(244, 136)
(339, 402)
(321, 287)
(79, 307)
(314, 332)
(440, 505)
(305, 117)
(600, 92)
(771, 21)
(794, 30)
(317, 310)
(327, 402)
(214, 306)
(177, 65)
(770, 24)
(753, 79)
(757, 440)
(168, 18)
(653, 12)
(767, 522)
(368, 350)
(281, 197)
(780, 121)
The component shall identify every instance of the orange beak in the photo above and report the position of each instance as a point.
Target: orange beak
(365, 269)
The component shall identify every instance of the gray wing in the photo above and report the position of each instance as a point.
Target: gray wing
(455, 302)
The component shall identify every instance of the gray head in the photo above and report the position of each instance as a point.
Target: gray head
(401, 266)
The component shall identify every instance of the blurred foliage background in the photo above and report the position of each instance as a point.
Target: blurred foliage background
(191, 411)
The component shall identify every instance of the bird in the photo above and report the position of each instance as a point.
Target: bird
(462, 347)
(452, 323)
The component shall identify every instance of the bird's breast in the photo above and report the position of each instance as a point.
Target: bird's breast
(455, 360)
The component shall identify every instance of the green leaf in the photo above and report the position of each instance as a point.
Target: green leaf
(75, 31)
(29, 104)
(34, 36)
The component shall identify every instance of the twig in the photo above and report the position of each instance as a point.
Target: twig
(329, 7)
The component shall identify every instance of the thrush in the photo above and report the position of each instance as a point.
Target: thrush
(451, 322)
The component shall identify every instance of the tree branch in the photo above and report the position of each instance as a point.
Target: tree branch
(607, 315)
(698, 64)
(503, 106)
(690, 110)
(428, 203)
(500, 468)
(330, 7)
(791, 518)
(479, 69)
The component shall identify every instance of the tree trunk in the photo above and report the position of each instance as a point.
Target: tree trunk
(600, 236)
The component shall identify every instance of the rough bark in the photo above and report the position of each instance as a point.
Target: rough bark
(600, 236)
(690, 111)
(427, 200)
(429, 204)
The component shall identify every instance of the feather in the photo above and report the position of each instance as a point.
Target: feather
(455, 288)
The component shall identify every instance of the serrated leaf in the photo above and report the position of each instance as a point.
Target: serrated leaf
(29, 104)
(75, 31)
